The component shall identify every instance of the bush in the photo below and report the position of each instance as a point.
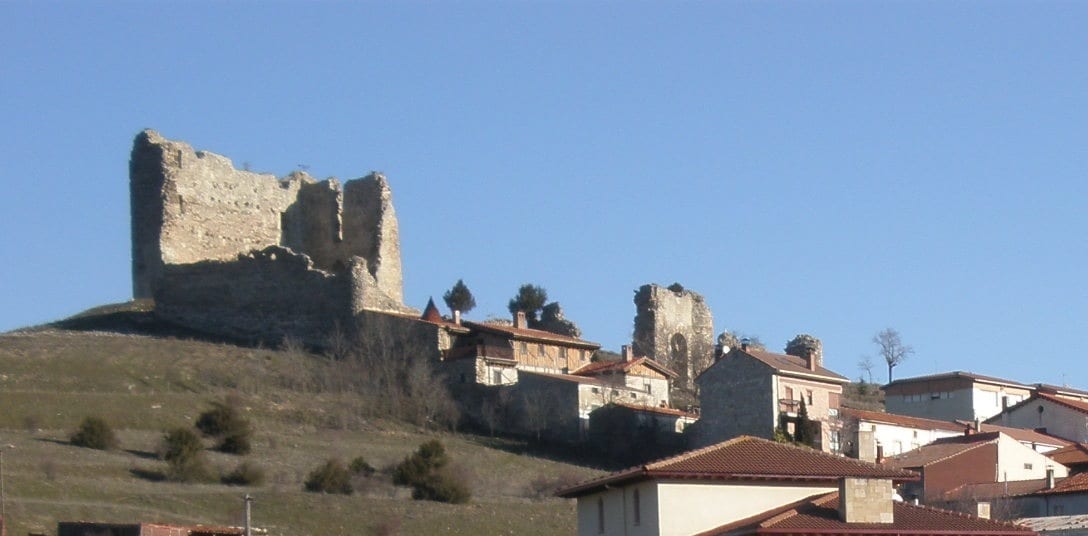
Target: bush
(359, 466)
(427, 472)
(245, 474)
(95, 433)
(224, 423)
(332, 477)
(184, 455)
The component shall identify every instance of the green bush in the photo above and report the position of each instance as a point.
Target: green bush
(359, 466)
(331, 477)
(224, 423)
(245, 474)
(95, 433)
(184, 455)
(427, 472)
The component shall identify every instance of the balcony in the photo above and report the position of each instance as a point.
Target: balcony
(788, 405)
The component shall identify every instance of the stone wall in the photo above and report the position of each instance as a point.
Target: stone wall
(676, 328)
(735, 398)
(317, 250)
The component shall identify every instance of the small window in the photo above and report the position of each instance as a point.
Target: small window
(496, 376)
(583, 354)
(633, 395)
(596, 390)
(647, 387)
(540, 350)
(562, 353)
(1027, 466)
(808, 397)
(523, 347)
(637, 507)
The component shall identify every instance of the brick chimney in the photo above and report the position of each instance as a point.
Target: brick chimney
(810, 359)
(520, 321)
(866, 500)
(628, 353)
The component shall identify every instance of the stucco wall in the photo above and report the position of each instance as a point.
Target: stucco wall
(1058, 420)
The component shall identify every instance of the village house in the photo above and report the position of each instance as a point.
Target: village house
(1061, 416)
(85, 528)
(953, 396)
(754, 392)
(975, 458)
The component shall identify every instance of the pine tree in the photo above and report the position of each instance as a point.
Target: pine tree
(459, 297)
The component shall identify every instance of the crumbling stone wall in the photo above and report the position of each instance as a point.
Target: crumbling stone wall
(236, 251)
(676, 328)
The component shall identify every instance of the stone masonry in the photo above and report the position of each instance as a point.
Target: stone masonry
(674, 326)
(246, 254)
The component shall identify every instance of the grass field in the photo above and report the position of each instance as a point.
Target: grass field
(51, 378)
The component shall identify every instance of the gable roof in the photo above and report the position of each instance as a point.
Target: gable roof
(746, 458)
(1023, 435)
(1074, 454)
(956, 374)
(535, 335)
(941, 449)
(820, 515)
(903, 420)
(605, 367)
(789, 365)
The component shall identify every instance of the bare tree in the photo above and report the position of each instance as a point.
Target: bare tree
(866, 365)
(892, 349)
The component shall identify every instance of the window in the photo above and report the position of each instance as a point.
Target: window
(1027, 466)
(596, 390)
(523, 347)
(496, 376)
(600, 515)
(646, 387)
(808, 397)
(562, 353)
(633, 395)
(583, 354)
(836, 445)
(789, 393)
(540, 350)
(637, 508)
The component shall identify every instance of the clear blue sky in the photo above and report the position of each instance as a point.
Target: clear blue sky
(831, 168)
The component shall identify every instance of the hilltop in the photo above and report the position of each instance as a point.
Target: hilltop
(143, 377)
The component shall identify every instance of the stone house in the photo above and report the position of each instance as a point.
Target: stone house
(732, 481)
(976, 458)
(953, 396)
(84, 528)
(1057, 415)
(633, 374)
(753, 392)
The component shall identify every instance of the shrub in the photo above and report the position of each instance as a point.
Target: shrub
(184, 455)
(427, 472)
(245, 474)
(95, 433)
(359, 466)
(224, 423)
(331, 477)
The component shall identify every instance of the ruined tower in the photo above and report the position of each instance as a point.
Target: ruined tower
(674, 326)
(248, 254)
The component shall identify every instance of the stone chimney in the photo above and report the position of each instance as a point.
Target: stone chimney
(457, 316)
(520, 321)
(866, 500)
(628, 353)
(810, 359)
(866, 446)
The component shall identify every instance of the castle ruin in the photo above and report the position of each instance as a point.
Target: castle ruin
(248, 255)
(674, 327)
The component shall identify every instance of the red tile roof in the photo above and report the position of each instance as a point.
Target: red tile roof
(1070, 403)
(1025, 435)
(605, 367)
(654, 409)
(792, 365)
(567, 378)
(903, 420)
(430, 313)
(991, 490)
(535, 335)
(1074, 454)
(940, 450)
(1075, 484)
(820, 515)
(957, 374)
(747, 458)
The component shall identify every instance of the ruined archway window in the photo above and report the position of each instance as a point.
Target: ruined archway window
(678, 348)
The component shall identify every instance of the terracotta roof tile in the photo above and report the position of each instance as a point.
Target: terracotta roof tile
(903, 420)
(532, 334)
(748, 458)
(430, 313)
(1074, 454)
(793, 364)
(820, 515)
(1075, 484)
(1070, 403)
(991, 490)
(604, 367)
(939, 450)
(957, 374)
(1025, 435)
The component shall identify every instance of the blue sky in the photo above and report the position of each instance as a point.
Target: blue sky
(831, 168)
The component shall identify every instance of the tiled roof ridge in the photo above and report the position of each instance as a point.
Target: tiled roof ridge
(693, 453)
(958, 374)
(530, 333)
(1077, 483)
(1071, 404)
(820, 370)
(967, 447)
(655, 409)
(949, 425)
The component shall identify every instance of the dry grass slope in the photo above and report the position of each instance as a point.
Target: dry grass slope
(53, 377)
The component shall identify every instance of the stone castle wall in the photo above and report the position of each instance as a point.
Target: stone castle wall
(675, 328)
(236, 253)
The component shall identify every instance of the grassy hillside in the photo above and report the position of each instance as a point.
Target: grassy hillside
(51, 378)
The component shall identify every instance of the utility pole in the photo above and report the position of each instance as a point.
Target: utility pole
(249, 501)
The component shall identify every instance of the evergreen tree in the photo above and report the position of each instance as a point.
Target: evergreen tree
(802, 433)
(530, 299)
(459, 297)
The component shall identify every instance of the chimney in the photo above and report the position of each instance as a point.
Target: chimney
(978, 425)
(520, 321)
(628, 353)
(457, 317)
(866, 500)
(1050, 478)
(982, 510)
(810, 358)
(880, 453)
(744, 343)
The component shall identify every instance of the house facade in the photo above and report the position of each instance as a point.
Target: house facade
(707, 488)
(953, 396)
(753, 392)
(1060, 416)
